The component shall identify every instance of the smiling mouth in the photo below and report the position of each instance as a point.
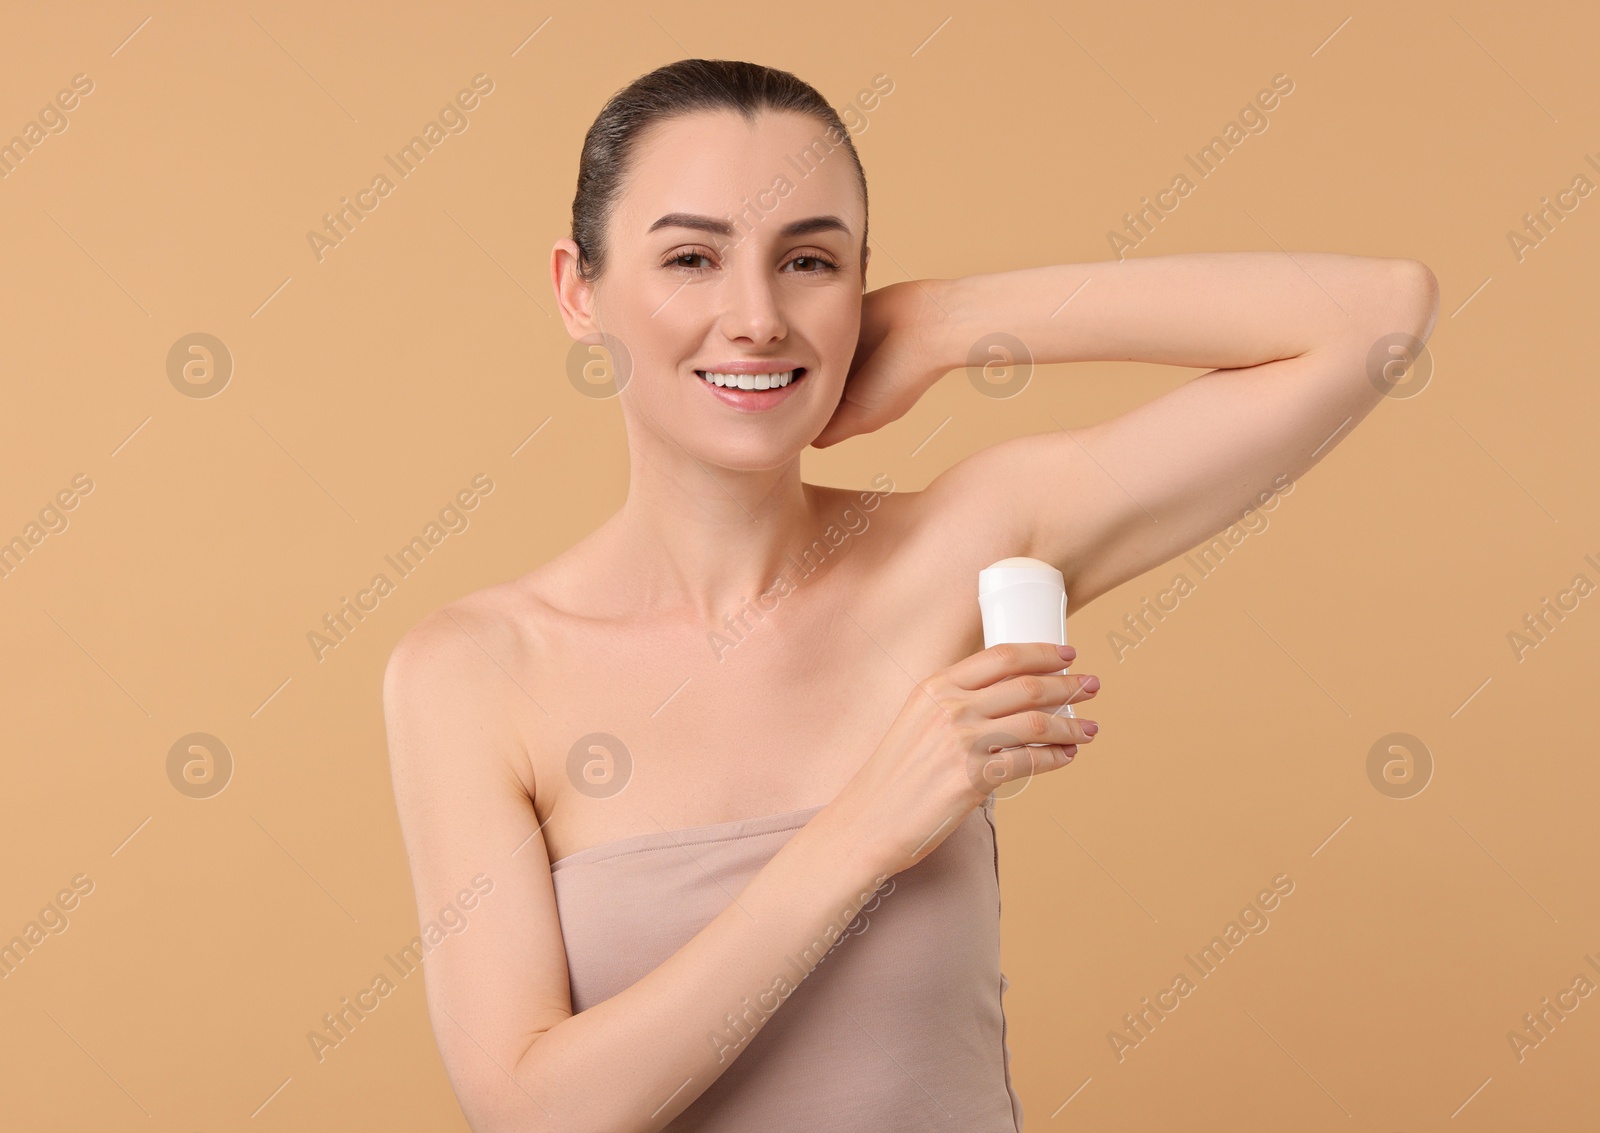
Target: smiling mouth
(753, 381)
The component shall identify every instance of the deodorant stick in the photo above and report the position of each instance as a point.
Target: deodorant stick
(1023, 600)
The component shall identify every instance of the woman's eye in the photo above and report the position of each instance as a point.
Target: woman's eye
(677, 261)
(818, 264)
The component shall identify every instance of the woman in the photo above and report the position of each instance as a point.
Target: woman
(689, 751)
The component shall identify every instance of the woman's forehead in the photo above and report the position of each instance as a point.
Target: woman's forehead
(780, 167)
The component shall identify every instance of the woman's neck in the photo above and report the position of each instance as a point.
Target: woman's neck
(694, 540)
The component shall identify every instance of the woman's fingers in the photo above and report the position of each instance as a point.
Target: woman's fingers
(1000, 767)
(1039, 726)
(1046, 691)
(1010, 659)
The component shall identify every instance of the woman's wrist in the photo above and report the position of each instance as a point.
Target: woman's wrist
(848, 829)
(958, 326)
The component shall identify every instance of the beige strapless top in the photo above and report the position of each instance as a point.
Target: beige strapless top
(900, 1027)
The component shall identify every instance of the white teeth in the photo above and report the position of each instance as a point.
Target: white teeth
(749, 381)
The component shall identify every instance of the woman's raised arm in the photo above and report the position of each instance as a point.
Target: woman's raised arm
(1304, 346)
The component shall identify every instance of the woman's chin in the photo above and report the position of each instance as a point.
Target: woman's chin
(722, 437)
(754, 454)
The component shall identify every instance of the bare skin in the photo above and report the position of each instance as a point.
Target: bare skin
(861, 690)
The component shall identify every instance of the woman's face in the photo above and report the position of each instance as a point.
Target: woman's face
(733, 243)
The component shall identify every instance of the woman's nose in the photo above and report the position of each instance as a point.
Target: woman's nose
(752, 310)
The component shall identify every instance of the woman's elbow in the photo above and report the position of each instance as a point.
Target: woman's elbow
(495, 1098)
(1417, 296)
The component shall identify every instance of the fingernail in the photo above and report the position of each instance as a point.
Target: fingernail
(1067, 652)
(1092, 685)
(1090, 727)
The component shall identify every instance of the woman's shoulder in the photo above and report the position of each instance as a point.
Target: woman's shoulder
(496, 628)
(458, 684)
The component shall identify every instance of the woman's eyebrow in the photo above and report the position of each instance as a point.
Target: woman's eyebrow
(725, 228)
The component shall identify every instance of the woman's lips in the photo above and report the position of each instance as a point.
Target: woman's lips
(753, 400)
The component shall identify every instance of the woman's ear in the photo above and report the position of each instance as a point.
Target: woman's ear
(574, 294)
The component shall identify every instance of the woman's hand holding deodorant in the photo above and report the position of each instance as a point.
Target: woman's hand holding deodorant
(986, 720)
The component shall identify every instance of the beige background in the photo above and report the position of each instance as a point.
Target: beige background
(370, 387)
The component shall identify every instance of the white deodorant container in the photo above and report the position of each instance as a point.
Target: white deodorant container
(1023, 599)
